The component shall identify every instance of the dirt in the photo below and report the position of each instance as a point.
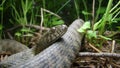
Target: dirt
(98, 62)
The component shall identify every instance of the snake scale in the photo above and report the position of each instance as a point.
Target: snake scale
(58, 55)
(8, 45)
(49, 36)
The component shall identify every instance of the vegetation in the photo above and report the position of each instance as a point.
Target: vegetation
(17, 17)
(95, 31)
(27, 13)
(98, 17)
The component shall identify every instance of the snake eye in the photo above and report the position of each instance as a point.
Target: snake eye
(64, 27)
(53, 28)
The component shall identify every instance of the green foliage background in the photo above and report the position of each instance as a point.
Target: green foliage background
(69, 10)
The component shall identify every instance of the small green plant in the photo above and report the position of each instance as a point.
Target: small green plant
(24, 14)
(20, 15)
(95, 33)
(51, 19)
(91, 35)
(108, 18)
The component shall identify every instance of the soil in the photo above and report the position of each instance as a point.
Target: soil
(98, 62)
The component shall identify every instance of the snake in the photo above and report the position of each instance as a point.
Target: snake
(12, 46)
(50, 36)
(60, 54)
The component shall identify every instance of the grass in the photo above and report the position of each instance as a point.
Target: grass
(29, 12)
(108, 18)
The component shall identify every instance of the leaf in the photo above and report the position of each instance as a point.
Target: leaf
(104, 37)
(81, 30)
(57, 22)
(86, 13)
(1, 8)
(91, 34)
(25, 30)
(118, 27)
(98, 45)
(110, 17)
(117, 19)
(1, 27)
(18, 34)
(85, 27)
(102, 10)
(3, 1)
(96, 25)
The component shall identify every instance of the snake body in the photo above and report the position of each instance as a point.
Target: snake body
(50, 36)
(11, 46)
(58, 55)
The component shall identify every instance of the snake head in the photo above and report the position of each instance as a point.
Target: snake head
(54, 33)
(60, 29)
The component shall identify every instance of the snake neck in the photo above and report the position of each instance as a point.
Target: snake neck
(52, 35)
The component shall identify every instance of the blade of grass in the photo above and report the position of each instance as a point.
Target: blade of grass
(99, 7)
(63, 6)
(116, 15)
(115, 7)
(76, 7)
(85, 8)
(105, 17)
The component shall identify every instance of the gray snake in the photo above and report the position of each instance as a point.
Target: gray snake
(58, 55)
(48, 37)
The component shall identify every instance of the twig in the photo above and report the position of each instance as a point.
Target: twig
(112, 51)
(115, 6)
(37, 27)
(95, 48)
(9, 35)
(10, 29)
(31, 26)
(42, 17)
(41, 20)
(51, 13)
(89, 54)
(115, 65)
(113, 46)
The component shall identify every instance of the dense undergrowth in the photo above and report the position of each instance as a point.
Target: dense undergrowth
(99, 15)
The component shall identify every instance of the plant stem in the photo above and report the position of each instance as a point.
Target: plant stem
(51, 13)
(63, 6)
(105, 17)
(116, 11)
(76, 7)
(2, 10)
(99, 7)
(85, 6)
(41, 20)
(44, 6)
(116, 15)
(115, 6)
(108, 9)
